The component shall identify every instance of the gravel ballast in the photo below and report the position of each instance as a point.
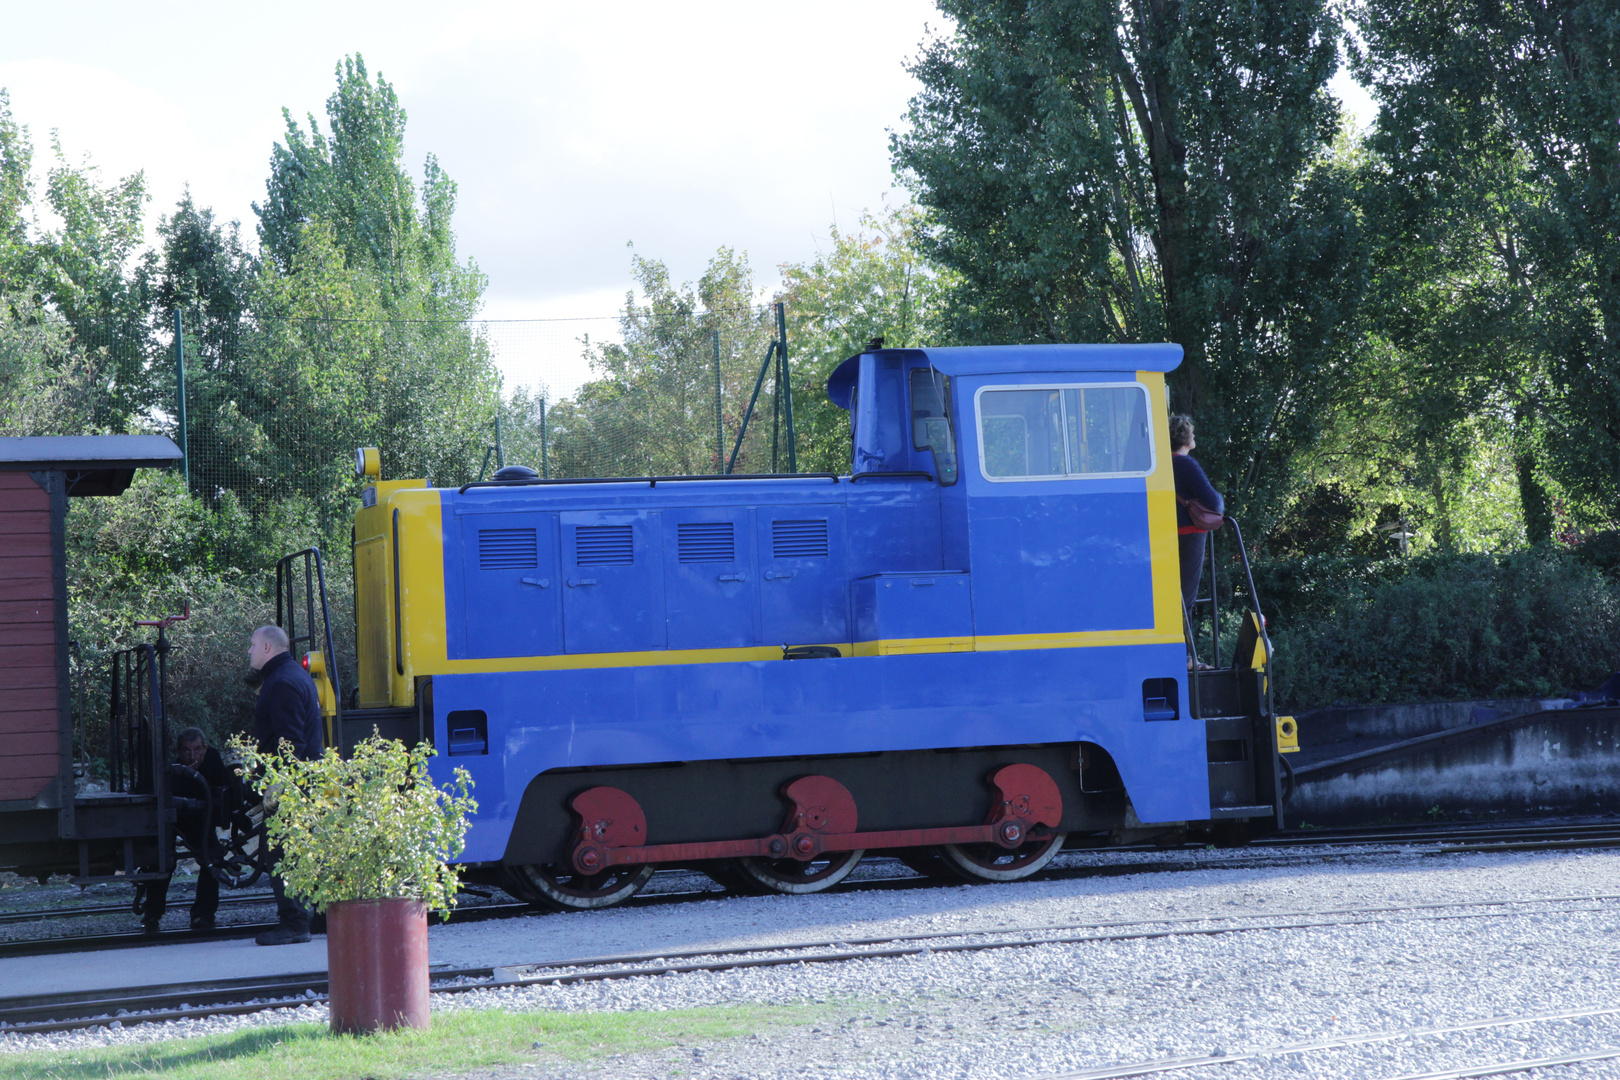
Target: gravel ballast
(1042, 1010)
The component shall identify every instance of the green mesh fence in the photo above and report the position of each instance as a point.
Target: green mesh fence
(274, 409)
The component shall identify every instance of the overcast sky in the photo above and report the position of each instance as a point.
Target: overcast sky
(571, 129)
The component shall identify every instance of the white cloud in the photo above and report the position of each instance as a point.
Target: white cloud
(568, 128)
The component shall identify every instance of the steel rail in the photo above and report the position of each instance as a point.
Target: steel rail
(1164, 1065)
(1484, 836)
(1602, 836)
(1467, 1072)
(45, 1013)
(1397, 834)
(45, 914)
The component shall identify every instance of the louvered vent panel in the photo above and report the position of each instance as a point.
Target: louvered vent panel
(706, 541)
(603, 545)
(799, 539)
(507, 549)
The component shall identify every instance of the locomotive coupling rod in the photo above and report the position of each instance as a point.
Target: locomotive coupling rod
(613, 827)
(593, 859)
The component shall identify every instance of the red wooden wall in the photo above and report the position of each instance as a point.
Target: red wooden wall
(30, 724)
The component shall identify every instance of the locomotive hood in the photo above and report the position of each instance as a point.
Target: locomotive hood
(991, 359)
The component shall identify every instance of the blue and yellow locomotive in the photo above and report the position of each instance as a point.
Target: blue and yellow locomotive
(964, 652)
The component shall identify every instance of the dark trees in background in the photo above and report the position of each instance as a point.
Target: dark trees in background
(1101, 171)
(1500, 123)
(352, 330)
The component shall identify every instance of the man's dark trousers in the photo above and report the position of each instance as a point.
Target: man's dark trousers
(288, 709)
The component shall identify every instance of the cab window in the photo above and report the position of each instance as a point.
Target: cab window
(1051, 432)
(931, 420)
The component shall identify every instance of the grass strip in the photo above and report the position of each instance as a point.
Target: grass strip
(460, 1040)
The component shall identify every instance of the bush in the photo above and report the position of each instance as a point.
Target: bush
(151, 552)
(371, 826)
(1528, 624)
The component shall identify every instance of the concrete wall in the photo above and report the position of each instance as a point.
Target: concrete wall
(1383, 723)
(1543, 763)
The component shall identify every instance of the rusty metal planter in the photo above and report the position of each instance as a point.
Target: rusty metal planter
(377, 965)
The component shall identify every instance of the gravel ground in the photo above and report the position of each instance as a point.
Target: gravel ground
(1045, 1009)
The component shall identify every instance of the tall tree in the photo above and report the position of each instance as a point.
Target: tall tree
(870, 282)
(16, 159)
(1103, 170)
(351, 329)
(1529, 89)
(94, 271)
(354, 180)
(651, 407)
(206, 275)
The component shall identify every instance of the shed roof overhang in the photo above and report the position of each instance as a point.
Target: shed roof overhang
(93, 464)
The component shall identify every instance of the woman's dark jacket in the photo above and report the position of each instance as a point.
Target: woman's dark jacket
(1191, 483)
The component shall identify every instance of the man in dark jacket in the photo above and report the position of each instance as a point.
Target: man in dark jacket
(288, 709)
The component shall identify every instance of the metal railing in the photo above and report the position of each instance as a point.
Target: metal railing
(138, 736)
(1189, 614)
(301, 583)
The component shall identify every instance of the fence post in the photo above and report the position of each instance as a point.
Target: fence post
(787, 387)
(544, 465)
(180, 394)
(500, 451)
(742, 429)
(719, 427)
(776, 409)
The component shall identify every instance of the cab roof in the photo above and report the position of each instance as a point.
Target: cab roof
(999, 359)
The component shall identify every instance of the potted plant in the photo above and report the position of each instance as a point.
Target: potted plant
(368, 840)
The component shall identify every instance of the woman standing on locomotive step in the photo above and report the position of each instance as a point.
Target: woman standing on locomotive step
(1191, 483)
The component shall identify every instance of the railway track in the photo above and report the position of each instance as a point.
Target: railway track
(44, 1014)
(1271, 851)
(47, 914)
(1346, 1042)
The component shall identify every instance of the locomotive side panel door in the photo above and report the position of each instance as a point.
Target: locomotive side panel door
(613, 583)
(509, 567)
(710, 579)
(802, 591)
(1058, 508)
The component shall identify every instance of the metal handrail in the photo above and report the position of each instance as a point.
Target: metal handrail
(1215, 618)
(903, 474)
(1193, 697)
(284, 590)
(1259, 616)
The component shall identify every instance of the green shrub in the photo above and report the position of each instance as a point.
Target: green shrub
(372, 826)
(1528, 624)
(156, 549)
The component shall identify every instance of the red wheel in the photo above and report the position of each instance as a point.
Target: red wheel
(562, 888)
(765, 876)
(989, 862)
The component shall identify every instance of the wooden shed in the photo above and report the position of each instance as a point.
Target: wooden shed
(37, 478)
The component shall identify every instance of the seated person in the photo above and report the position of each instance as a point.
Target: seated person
(200, 775)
